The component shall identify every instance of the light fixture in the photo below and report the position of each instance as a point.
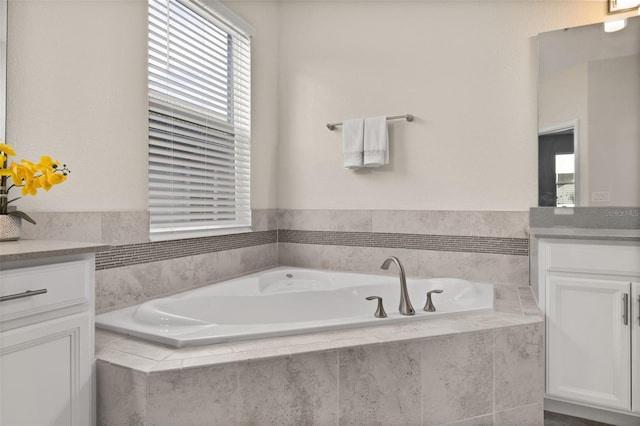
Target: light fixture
(617, 25)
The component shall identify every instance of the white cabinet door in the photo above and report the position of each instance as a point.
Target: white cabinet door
(635, 343)
(588, 353)
(45, 373)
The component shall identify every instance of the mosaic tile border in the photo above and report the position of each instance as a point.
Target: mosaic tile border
(457, 243)
(133, 254)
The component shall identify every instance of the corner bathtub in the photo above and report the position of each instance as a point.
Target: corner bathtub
(285, 301)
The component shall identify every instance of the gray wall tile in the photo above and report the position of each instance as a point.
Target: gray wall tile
(298, 390)
(454, 380)
(350, 220)
(441, 222)
(199, 396)
(121, 287)
(129, 285)
(120, 228)
(121, 396)
(66, 226)
(457, 377)
(479, 267)
(264, 219)
(325, 220)
(519, 359)
(499, 224)
(476, 421)
(380, 385)
(395, 221)
(348, 259)
(527, 415)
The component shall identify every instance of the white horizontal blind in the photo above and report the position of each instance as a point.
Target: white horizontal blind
(199, 122)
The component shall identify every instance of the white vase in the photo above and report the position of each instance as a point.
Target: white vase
(10, 227)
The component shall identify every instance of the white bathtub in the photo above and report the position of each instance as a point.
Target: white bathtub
(284, 301)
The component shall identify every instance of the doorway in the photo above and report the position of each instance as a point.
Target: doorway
(557, 168)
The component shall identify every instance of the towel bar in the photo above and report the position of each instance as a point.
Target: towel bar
(408, 117)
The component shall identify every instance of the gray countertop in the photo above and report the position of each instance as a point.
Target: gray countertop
(587, 233)
(596, 223)
(34, 249)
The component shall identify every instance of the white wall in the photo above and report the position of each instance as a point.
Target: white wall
(77, 91)
(467, 70)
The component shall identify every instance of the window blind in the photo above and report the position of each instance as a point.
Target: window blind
(199, 122)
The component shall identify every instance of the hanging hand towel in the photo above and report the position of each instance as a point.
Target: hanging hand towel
(352, 143)
(376, 142)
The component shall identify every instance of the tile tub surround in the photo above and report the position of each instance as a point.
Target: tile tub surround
(485, 246)
(117, 228)
(134, 270)
(485, 368)
(120, 287)
(475, 245)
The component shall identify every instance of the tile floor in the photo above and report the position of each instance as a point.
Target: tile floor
(555, 419)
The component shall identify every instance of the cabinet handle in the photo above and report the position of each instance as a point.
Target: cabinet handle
(639, 310)
(625, 300)
(21, 295)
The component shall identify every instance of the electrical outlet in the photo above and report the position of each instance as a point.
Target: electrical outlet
(600, 197)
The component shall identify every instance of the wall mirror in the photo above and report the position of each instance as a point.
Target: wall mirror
(3, 68)
(589, 116)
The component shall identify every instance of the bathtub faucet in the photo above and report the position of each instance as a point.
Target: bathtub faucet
(405, 302)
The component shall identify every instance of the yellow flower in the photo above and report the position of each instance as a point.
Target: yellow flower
(26, 175)
(50, 178)
(46, 164)
(6, 149)
(31, 186)
(44, 182)
(18, 173)
(56, 178)
(29, 166)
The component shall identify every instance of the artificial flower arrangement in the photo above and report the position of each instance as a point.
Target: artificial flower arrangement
(28, 176)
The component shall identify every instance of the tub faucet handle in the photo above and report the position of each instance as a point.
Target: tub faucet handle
(380, 313)
(429, 307)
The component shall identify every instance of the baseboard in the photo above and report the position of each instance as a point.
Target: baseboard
(592, 413)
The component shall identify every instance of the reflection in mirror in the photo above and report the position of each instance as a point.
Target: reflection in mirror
(557, 167)
(589, 107)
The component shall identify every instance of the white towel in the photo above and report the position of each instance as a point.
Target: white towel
(352, 143)
(376, 142)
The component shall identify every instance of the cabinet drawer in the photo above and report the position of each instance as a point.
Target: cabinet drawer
(66, 284)
(593, 257)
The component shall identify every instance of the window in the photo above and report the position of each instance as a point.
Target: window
(565, 180)
(199, 120)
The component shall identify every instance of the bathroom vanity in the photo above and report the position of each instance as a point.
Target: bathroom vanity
(589, 289)
(47, 332)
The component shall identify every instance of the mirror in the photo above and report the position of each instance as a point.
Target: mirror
(589, 116)
(3, 68)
